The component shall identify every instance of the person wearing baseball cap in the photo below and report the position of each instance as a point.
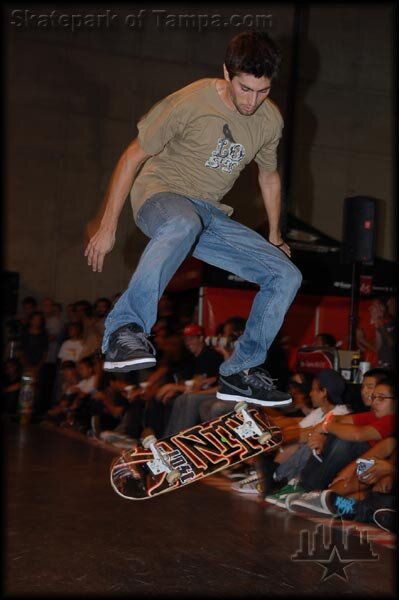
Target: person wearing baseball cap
(193, 329)
(203, 366)
(333, 383)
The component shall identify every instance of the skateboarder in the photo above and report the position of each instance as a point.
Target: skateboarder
(190, 149)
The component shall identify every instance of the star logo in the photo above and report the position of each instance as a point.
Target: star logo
(334, 548)
(335, 565)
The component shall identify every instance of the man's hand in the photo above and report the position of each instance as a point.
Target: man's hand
(101, 230)
(317, 442)
(346, 475)
(282, 245)
(381, 468)
(169, 391)
(100, 244)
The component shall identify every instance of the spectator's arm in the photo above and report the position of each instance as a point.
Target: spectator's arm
(101, 231)
(350, 432)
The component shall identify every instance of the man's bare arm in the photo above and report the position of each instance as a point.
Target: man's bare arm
(101, 231)
(270, 187)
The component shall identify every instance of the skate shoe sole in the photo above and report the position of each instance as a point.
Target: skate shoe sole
(237, 398)
(129, 365)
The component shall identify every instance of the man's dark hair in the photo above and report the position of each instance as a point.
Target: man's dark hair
(253, 53)
(380, 375)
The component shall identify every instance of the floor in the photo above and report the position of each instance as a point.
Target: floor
(69, 534)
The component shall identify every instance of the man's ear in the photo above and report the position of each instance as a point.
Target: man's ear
(226, 73)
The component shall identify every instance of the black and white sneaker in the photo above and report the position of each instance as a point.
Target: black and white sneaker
(129, 349)
(252, 385)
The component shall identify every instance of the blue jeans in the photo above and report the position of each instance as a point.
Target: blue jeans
(180, 225)
(337, 453)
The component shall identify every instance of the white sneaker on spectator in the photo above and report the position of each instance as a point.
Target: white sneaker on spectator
(250, 485)
(312, 503)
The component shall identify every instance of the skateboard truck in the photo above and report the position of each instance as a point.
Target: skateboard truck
(250, 428)
(160, 464)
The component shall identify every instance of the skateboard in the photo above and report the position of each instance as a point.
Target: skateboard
(156, 467)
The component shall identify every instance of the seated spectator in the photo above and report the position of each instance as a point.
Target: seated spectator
(377, 339)
(72, 348)
(33, 355)
(11, 386)
(102, 306)
(29, 306)
(34, 344)
(54, 328)
(69, 380)
(108, 405)
(130, 425)
(80, 411)
(79, 307)
(203, 365)
(366, 497)
(92, 337)
(227, 334)
(202, 372)
(341, 439)
(142, 398)
(326, 394)
(386, 334)
(299, 386)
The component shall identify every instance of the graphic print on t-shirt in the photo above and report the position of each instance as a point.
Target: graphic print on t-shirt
(228, 153)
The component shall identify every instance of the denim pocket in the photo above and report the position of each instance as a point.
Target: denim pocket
(145, 216)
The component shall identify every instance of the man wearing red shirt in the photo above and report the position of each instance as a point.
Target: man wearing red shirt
(340, 439)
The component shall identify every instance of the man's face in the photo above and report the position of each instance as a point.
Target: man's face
(84, 370)
(194, 343)
(317, 394)
(101, 308)
(247, 92)
(367, 389)
(382, 401)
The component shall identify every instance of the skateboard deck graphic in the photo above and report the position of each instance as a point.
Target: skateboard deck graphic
(193, 454)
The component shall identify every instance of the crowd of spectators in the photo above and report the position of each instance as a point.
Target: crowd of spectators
(325, 430)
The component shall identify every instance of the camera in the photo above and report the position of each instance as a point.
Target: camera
(363, 464)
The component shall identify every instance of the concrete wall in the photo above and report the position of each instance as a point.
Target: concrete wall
(344, 133)
(74, 98)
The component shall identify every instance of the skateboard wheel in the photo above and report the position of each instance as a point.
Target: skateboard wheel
(148, 440)
(240, 406)
(173, 476)
(264, 437)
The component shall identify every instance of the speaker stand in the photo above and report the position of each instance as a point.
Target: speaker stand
(354, 305)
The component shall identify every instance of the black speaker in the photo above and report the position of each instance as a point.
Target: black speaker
(359, 230)
(10, 287)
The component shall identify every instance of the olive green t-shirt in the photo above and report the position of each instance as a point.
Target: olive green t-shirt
(199, 146)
